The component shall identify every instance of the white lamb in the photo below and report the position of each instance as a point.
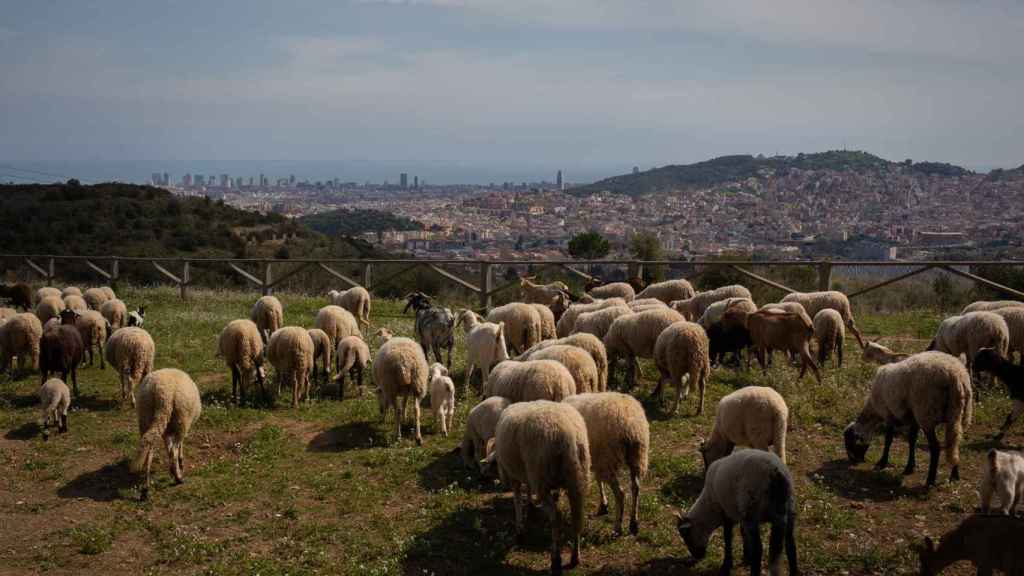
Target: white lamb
(55, 398)
(1004, 477)
(442, 397)
(485, 344)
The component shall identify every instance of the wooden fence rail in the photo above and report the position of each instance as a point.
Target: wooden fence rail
(268, 272)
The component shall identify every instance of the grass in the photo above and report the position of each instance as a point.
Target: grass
(327, 489)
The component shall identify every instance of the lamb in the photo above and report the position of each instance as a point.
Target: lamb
(990, 542)
(682, 350)
(1004, 476)
(337, 323)
(755, 416)
(830, 334)
(69, 290)
(530, 380)
(875, 352)
(290, 352)
(522, 324)
(775, 330)
(970, 333)
(599, 321)
(547, 322)
(322, 350)
(577, 360)
(485, 344)
(545, 294)
(351, 359)
(613, 290)
(988, 360)
(137, 317)
(634, 336)
(20, 336)
(131, 351)
(46, 291)
(1014, 318)
(989, 306)
(592, 344)
(76, 303)
(435, 329)
(619, 437)
(480, 425)
(816, 301)
(543, 446)
(268, 314)
(168, 405)
(442, 397)
(94, 298)
(713, 313)
(55, 399)
(668, 291)
(749, 487)
(400, 369)
(923, 391)
(115, 313)
(356, 300)
(93, 328)
(20, 295)
(567, 322)
(61, 350)
(693, 308)
(241, 347)
(49, 307)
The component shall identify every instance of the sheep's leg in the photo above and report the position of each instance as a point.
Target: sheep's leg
(912, 447)
(416, 412)
(808, 360)
(63, 423)
(839, 354)
(883, 462)
(398, 417)
(450, 357)
(775, 539)
(341, 385)
(469, 374)
(631, 365)
(933, 456)
(235, 376)
(517, 505)
(727, 527)
(1015, 412)
(555, 520)
(602, 506)
(986, 496)
(752, 546)
(1005, 493)
(145, 486)
(791, 544)
(74, 378)
(620, 503)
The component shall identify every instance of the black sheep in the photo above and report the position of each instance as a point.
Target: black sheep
(61, 349)
(19, 294)
(1012, 375)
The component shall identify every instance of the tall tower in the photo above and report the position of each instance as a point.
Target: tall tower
(403, 180)
(416, 182)
(558, 181)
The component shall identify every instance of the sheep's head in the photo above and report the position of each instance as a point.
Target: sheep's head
(416, 301)
(437, 369)
(383, 335)
(68, 316)
(137, 317)
(987, 359)
(696, 539)
(857, 442)
(594, 282)
(258, 371)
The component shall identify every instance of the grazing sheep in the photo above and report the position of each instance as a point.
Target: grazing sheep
(131, 351)
(1004, 477)
(290, 352)
(988, 360)
(668, 291)
(619, 437)
(567, 322)
(54, 399)
(20, 336)
(775, 330)
(713, 313)
(693, 308)
(634, 336)
(46, 291)
(530, 380)
(577, 360)
(592, 344)
(400, 369)
(6, 314)
(480, 425)
(921, 392)
(613, 290)
(137, 317)
(49, 307)
(875, 352)
(442, 397)
(545, 294)
(115, 312)
(682, 350)
(813, 302)
(641, 304)
(547, 322)
(989, 306)
(830, 334)
(108, 292)
(724, 338)
(322, 350)
(94, 298)
(337, 323)
(749, 488)
(485, 344)
(558, 308)
(19, 294)
(543, 447)
(241, 347)
(268, 314)
(435, 329)
(69, 290)
(93, 328)
(168, 405)
(356, 300)
(970, 333)
(522, 324)
(755, 416)
(989, 542)
(791, 307)
(1014, 318)
(351, 359)
(61, 350)
(76, 303)
(599, 321)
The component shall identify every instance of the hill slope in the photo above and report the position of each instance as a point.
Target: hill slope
(345, 222)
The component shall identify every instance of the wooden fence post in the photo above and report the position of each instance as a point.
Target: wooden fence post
(485, 286)
(267, 278)
(636, 270)
(824, 276)
(368, 276)
(185, 280)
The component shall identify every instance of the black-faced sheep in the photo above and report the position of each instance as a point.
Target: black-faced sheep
(19, 295)
(755, 416)
(268, 314)
(989, 360)
(241, 347)
(989, 542)
(813, 302)
(351, 359)
(168, 405)
(61, 350)
(290, 352)
(131, 351)
(681, 350)
(400, 370)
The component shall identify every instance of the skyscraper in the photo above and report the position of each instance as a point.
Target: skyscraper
(558, 181)
(416, 182)
(186, 180)
(225, 181)
(403, 180)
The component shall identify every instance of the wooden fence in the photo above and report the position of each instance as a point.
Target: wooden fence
(266, 274)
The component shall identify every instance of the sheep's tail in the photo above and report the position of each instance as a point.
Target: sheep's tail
(636, 457)
(993, 465)
(779, 438)
(152, 436)
(960, 415)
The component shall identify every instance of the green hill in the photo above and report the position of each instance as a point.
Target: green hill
(346, 222)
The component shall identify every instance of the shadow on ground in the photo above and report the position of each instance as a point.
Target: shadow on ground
(357, 435)
(26, 431)
(103, 485)
(447, 469)
(865, 484)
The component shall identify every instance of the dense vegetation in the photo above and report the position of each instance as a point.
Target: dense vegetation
(346, 222)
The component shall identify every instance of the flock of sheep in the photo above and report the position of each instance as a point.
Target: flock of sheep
(548, 421)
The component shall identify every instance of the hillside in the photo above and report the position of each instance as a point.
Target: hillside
(346, 222)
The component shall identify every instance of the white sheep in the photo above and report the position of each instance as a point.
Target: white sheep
(480, 425)
(668, 291)
(49, 307)
(641, 304)
(599, 321)
(93, 328)
(20, 336)
(71, 290)
(54, 399)
(522, 324)
(619, 437)
(356, 300)
(76, 303)
(7, 313)
(131, 351)
(95, 297)
(693, 308)
(990, 305)
(969, 333)
(634, 336)
(682, 350)
(613, 290)
(815, 301)
(351, 359)
(592, 344)
(755, 416)
(46, 291)
(268, 314)
(108, 292)
(168, 405)
(567, 322)
(925, 390)
(577, 360)
(545, 294)
(442, 397)
(1004, 477)
(530, 380)
(1014, 318)
(547, 322)
(830, 333)
(290, 352)
(400, 370)
(337, 323)
(485, 344)
(322, 351)
(713, 313)
(879, 354)
(543, 447)
(115, 312)
(242, 347)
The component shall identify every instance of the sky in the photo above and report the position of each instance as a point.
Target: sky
(487, 90)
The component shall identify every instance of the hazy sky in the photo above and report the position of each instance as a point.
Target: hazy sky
(594, 87)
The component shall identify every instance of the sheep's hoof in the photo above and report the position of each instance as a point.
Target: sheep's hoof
(602, 510)
(634, 528)
(954, 476)
(144, 494)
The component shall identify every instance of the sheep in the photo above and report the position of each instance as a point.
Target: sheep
(558, 308)
(416, 301)
(990, 542)
(545, 294)
(93, 328)
(693, 308)
(989, 360)
(599, 321)
(167, 407)
(713, 313)
(577, 360)
(530, 380)
(641, 304)
(115, 313)
(322, 350)
(668, 291)
(442, 397)
(613, 290)
(480, 425)
(337, 323)
(815, 301)
(830, 334)
(543, 446)
(76, 303)
(619, 436)
(776, 330)
(137, 317)
(682, 350)
(1014, 318)
(68, 290)
(547, 322)
(268, 314)
(241, 347)
(522, 324)
(350, 359)
(991, 305)
(724, 338)
(1004, 476)
(634, 336)
(879, 354)
(923, 391)
(54, 399)
(20, 295)
(131, 351)
(20, 336)
(46, 291)
(567, 322)
(290, 352)
(400, 369)
(61, 350)
(755, 416)
(49, 307)
(6, 314)
(592, 344)
(749, 487)
(435, 329)
(969, 333)
(356, 300)
(94, 298)
(485, 344)
(108, 292)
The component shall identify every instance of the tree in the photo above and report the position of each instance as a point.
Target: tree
(589, 246)
(645, 246)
